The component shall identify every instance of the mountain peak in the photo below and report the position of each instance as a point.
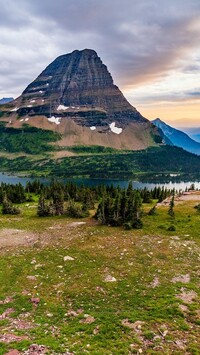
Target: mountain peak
(86, 51)
(77, 90)
(157, 120)
(78, 81)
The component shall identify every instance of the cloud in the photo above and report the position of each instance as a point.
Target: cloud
(194, 93)
(140, 41)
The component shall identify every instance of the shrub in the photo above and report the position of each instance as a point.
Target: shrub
(197, 207)
(127, 226)
(8, 208)
(171, 228)
(75, 211)
(137, 224)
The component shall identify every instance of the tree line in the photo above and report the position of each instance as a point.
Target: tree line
(111, 205)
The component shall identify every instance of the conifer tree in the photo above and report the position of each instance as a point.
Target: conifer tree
(116, 210)
(58, 203)
(171, 207)
(137, 205)
(147, 196)
(152, 211)
(100, 214)
(123, 206)
(44, 209)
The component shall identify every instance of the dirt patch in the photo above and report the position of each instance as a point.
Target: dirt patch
(15, 237)
(88, 319)
(7, 313)
(63, 154)
(186, 196)
(36, 350)
(189, 196)
(7, 300)
(9, 338)
(187, 296)
(183, 308)
(181, 278)
(137, 326)
(155, 282)
(76, 224)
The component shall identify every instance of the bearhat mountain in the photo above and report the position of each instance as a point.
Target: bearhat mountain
(75, 95)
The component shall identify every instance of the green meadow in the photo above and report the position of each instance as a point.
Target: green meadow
(84, 288)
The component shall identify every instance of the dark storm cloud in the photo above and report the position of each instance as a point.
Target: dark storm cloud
(138, 40)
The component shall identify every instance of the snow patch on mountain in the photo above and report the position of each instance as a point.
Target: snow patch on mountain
(54, 119)
(62, 107)
(115, 129)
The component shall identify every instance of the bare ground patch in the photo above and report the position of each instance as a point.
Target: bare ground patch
(187, 296)
(181, 278)
(10, 338)
(186, 196)
(15, 237)
(63, 153)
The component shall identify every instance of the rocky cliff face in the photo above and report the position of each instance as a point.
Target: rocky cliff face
(78, 85)
(77, 89)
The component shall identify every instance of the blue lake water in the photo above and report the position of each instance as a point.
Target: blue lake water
(12, 179)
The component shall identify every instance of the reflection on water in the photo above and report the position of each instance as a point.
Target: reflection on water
(181, 185)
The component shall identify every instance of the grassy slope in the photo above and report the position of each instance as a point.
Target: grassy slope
(27, 139)
(26, 145)
(161, 160)
(135, 258)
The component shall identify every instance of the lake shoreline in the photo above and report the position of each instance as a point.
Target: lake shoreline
(170, 183)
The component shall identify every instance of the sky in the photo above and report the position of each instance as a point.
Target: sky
(151, 48)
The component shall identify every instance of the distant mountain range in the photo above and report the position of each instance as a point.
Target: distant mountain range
(196, 137)
(193, 132)
(5, 100)
(177, 137)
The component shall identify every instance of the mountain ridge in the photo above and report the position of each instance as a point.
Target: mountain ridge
(6, 100)
(177, 137)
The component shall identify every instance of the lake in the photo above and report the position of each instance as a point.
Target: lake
(12, 179)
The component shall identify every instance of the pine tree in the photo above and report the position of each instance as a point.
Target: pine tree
(130, 189)
(152, 211)
(44, 209)
(137, 205)
(147, 197)
(171, 207)
(58, 201)
(123, 206)
(100, 214)
(117, 218)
